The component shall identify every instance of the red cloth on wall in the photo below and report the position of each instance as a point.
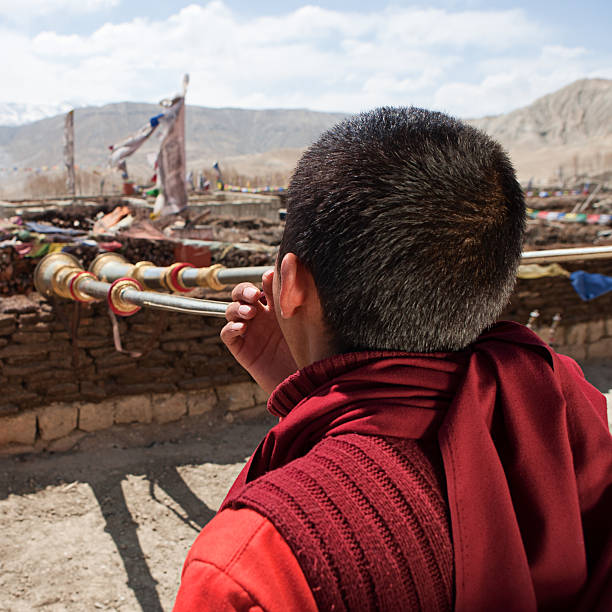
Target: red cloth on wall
(526, 448)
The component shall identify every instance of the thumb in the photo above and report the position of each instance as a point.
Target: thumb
(267, 281)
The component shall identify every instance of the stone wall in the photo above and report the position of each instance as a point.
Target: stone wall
(55, 391)
(585, 331)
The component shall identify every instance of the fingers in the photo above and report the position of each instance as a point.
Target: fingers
(232, 334)
(267, 281)
(246, 292)
(240, 312)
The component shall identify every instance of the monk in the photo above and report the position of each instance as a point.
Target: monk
(427, 456)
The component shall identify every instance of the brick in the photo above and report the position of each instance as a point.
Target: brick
(201, 382)
(66, 443)
(7, 408)
(236, 396)
(18, 449)
(63, 390)
(143, 375)
(214, 340)
(26, 369)
(597, 330)
(46, 378)
(61, 359)
(209, 350)
(113, 359)
(124, 369)
(18, 395)
(256, 411)
(201, 401)
(24, 350)
(17, 304)
(600, 349)
(89, 322)
(169, 407)
(144, 328)
(178, 346)
(57, 420)
(30, 319)
(22, 337)
(61, 335)
(18, 429)
(139, 389)
(91, 342)
(608, 327)
(559, 335)
(41, 326)
(3, 342)
(8, 327)
(134, 409)
(93, 417)
(99, 353)
(261, 396)
(187, 334)
(577, 334)
(155, 357)
(7, 319)
(92, 391)
(575, 351)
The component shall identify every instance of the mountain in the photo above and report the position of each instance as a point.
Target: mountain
(19, 114)
(211, 134)
(578, 113)
(567, 133)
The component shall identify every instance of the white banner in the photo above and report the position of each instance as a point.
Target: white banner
(125, 148)
(69, 152)
(171, 161)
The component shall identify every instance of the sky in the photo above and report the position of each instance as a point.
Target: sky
(470, 58)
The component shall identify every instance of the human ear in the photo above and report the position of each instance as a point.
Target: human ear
(293, 285)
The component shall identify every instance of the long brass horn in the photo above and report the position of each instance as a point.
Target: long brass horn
(61, 274)
(573, 254)
(178, 277)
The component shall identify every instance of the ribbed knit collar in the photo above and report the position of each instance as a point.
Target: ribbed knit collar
(305, 382)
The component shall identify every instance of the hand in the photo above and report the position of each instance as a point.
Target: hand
(254, 337)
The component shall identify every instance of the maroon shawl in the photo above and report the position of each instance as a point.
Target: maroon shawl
(526, 448)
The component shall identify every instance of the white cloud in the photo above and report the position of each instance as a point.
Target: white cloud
(467, 62)
(512, 82)
(27, 8)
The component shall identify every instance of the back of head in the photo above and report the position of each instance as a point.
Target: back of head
(411, 224)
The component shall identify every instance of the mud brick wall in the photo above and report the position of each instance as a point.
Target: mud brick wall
(52, 392)
(585, 331)
(556, 294)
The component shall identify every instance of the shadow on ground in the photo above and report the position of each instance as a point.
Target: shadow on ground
(104, 469)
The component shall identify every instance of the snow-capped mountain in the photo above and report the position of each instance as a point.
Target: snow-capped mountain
(13, 114)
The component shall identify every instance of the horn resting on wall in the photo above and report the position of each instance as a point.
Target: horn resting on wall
(124, 286)
(128, 287)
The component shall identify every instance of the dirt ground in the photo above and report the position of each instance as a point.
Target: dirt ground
(108, 527)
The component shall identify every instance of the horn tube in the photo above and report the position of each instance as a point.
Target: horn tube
(122, 284)
(178, 277)
(575, 254)
(61, 274)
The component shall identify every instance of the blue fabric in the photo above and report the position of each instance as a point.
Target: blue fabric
(47, 228)
(154, 121)
(589, 286)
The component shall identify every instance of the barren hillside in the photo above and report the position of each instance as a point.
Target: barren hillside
(568, 131)
(565, 134)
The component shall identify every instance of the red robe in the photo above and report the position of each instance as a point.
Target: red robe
(527, 456)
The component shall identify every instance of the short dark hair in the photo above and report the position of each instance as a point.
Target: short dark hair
(411, 223)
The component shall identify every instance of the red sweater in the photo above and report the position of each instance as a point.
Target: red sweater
(528, 467)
